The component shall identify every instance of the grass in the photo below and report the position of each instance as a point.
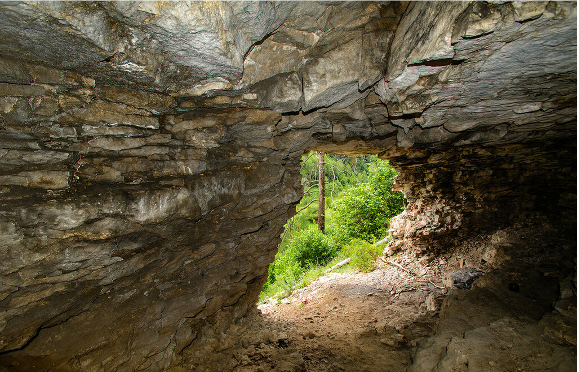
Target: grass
(363, 254)
(286, 275)
(283, 286)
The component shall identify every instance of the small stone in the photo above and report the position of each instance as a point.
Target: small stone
(567, 289)
(244, 360)
(464, 278)
(392, 337)
(431, 303)
(395, 340)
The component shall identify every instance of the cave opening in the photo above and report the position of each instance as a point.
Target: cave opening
(483, 250)
(342, 220)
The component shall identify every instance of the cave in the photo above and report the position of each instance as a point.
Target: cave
(150, 157)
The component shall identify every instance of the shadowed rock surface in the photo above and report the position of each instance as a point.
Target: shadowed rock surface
(149, 155)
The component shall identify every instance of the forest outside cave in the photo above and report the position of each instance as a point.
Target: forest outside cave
(347, 230)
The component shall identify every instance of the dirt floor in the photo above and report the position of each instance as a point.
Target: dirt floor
(410, 315)
(348, 321)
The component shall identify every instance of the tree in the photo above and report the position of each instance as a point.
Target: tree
(341, 173)
(321, 192)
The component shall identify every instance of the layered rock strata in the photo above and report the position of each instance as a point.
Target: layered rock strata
(150, 153)
(465, 191)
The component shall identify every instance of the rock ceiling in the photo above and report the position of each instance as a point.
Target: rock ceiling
(437, 70)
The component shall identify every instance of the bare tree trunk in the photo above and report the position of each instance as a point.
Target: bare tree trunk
(321, 192)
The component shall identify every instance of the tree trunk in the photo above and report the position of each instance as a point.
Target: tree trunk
(321, 192)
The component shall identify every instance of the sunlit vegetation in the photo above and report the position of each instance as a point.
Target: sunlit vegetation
(359, 203)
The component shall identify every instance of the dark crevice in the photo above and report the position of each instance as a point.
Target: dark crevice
(413, 115)
(110, 58)
(180, 352)
(476, 36)
(291, 113)
(438, 62)
(530, 19)
(254, 231)
(28, 342)
(259, 42)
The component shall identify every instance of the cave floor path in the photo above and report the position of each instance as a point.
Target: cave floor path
(348, 322)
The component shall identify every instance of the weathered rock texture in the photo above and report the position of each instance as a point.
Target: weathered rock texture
(520, 315)
(150, 153)
(482, 189)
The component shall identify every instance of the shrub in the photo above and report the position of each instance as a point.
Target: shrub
(357, 214)
(364, 211)
(311, 247)
(363, 254)
(297, 262)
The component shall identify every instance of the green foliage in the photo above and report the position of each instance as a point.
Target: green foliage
(363, 254)
(341, 171)
(359, 205)
(364, 211)
(307, 250)
(283, 274)
(311, 247)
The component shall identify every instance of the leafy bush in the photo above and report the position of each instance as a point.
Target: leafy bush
(357, 214)
(364, 211)
(311, 247)
(298, 262)
(363, 254)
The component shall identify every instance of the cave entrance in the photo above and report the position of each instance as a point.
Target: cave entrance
(330, 304)
(340, 224)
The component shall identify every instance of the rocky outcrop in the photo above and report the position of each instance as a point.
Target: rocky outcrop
(521, 314)
(465, 191)
(166, 45)
(150, 153)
